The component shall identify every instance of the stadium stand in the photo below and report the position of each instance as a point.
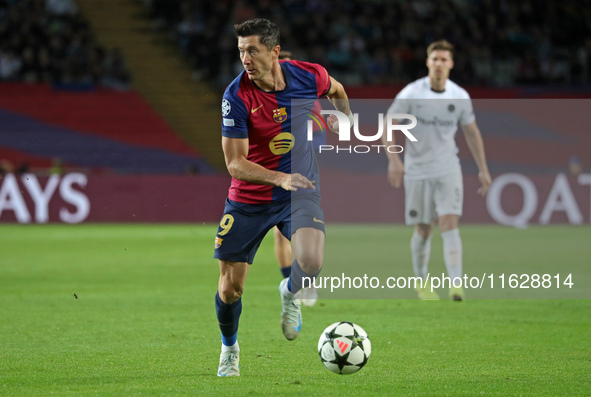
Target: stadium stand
(107, 131)
(51, 42)
(49, 113)
(160, 75)
(500, 43)
(504, 51)
(112, 128)
(375, 47)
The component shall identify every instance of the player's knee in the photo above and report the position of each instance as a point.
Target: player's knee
(424, 230)
(230, 293)
(447, 223)
(311, 264)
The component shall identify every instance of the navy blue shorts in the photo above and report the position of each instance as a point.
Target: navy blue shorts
(243, 226)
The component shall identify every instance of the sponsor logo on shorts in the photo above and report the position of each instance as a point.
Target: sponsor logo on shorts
(413, 213)
(317, 220)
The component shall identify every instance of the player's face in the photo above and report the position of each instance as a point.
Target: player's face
(255, 57)
(439, 64)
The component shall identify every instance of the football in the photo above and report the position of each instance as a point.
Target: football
(344, 348)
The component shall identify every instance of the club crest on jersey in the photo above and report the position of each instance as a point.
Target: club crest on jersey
(218, 242)
(279, 115)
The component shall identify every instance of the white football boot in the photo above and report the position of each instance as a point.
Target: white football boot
(291, 313)
(229, 364)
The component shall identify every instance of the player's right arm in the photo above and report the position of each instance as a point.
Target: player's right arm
(395, 164)
(239, 167)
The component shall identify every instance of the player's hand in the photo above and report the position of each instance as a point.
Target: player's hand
(333, 123)
(485, 181)
(296, 181)
(395, 172)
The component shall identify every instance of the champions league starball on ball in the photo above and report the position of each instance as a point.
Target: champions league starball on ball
(344, 348)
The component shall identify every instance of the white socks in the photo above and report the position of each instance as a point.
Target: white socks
(452, 253)
(420, 250)
(234, 348)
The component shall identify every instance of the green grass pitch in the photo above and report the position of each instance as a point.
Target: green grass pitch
(128, 310)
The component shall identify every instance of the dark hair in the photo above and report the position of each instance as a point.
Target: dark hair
(441, 45)
(267, 31)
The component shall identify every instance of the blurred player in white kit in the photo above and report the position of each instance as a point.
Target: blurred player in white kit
(431, 170)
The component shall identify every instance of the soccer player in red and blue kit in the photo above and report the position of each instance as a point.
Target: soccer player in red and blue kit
(274, 173)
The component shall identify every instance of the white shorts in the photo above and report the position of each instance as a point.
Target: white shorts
(426, 199)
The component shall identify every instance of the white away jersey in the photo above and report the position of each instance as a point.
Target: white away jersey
(438, 114)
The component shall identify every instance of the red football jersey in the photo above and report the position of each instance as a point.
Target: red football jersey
(275, 124)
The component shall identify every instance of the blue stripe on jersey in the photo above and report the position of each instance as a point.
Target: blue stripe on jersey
(301, 87)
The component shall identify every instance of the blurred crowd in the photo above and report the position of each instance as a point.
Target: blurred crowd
(499, 42)
(49, 41)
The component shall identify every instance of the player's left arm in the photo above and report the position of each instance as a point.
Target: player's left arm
(476, 146)
(338, 97)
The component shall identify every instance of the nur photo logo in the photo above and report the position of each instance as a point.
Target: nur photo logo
(344, 131)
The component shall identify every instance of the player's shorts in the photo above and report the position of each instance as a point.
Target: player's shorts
(243, 226)
(426, 199)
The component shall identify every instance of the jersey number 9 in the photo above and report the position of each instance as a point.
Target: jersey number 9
(226, 224)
